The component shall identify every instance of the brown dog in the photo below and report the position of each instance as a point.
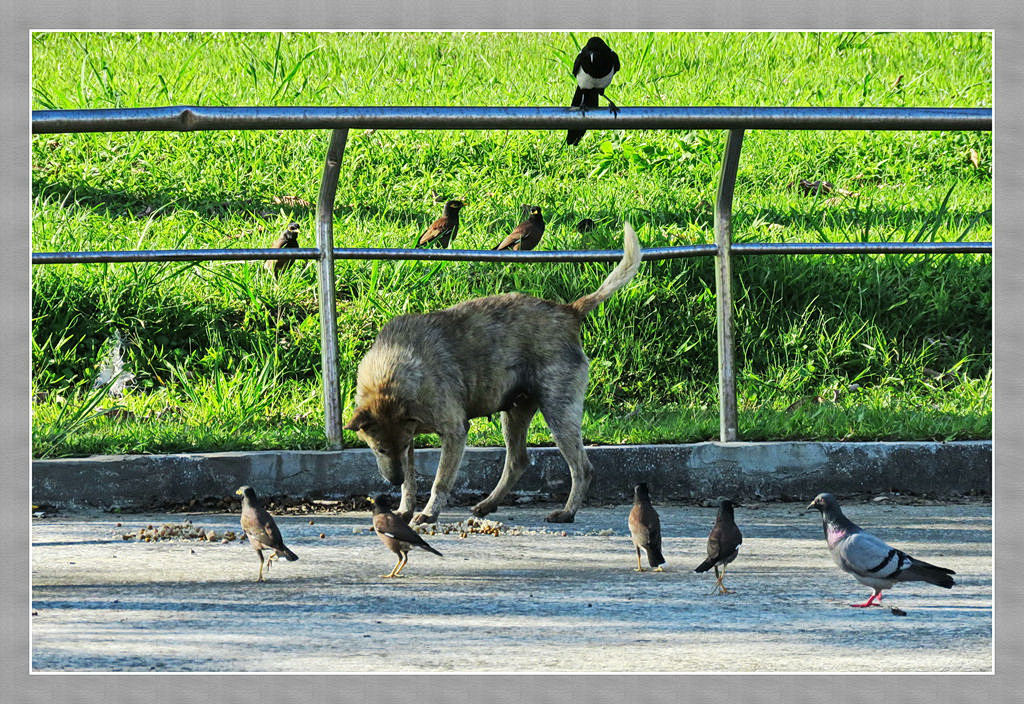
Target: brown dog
(512, 353)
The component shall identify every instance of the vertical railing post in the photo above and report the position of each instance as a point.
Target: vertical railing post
(723, 287)
(325, 268)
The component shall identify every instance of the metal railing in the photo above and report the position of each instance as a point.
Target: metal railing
(340, 119)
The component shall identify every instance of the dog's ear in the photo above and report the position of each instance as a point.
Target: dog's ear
(360, 420)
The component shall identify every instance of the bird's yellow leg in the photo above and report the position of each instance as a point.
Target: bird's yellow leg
(659, 568)
(639, 567)
(721, 582)
(401, 564)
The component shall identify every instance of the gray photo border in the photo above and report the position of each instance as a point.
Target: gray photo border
(1002, 16)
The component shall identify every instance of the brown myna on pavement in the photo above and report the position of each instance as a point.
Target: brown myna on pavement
(594, 68)
(262, 531)
(527, 234)
(645, 529)
(289, 239)
(723, 544)
(395, 533)
(443, 230)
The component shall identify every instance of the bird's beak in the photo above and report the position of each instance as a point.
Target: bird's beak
(238, 491)
(810, 507)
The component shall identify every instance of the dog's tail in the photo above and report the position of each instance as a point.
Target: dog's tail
(619, 277)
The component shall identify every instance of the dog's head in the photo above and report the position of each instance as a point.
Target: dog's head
(388, 428)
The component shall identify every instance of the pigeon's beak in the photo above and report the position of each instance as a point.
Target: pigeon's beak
(810, 507)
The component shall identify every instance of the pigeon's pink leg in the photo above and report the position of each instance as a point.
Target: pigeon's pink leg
(871, 600)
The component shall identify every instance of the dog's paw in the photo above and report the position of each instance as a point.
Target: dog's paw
(424, 518)
(483, 508)
(560, 517)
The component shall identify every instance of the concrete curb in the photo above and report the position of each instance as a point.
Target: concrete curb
(762, 471)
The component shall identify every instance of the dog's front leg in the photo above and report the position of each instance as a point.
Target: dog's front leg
(408, 504)
(453, 444)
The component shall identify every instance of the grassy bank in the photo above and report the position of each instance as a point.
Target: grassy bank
(225, 356)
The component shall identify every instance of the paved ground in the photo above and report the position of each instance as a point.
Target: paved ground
(532, 602)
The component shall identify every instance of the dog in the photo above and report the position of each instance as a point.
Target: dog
(513, 353)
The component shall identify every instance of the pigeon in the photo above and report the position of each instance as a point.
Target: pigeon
(443, 230)
(723, 544)
(395, 533)
(527, 234)
(593, 69)
(289, 239)
(869, 559)
(645, 529)
(262, 531)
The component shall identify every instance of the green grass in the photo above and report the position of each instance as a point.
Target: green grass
(226, 357)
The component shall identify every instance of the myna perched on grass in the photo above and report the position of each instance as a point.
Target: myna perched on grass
(395, 533)
(262, 531)
(289, 239)
(443, 230)
(527, 234)
(594, 67)
(723, 544)
(645, 529)
(869, 559)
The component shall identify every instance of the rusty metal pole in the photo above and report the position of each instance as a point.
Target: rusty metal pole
(723, 287)
(328, 309)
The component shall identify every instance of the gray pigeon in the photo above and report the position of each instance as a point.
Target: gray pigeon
(723, 543)
(867, 558)
(645, 529)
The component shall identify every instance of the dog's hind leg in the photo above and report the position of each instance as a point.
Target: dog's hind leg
(514, 424)
(408, 503)
(564, 417)
(453, 444)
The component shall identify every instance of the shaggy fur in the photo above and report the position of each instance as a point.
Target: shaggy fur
(511, 353)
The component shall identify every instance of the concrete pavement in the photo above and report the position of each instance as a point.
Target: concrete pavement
(528, 600)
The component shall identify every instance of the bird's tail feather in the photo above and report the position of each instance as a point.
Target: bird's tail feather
(706, 565)
(580, 99)
(620, 276)
(430, 549)
(655, 557)
(289, 555)
(927, 572)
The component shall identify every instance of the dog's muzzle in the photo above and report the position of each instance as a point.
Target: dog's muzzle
(391, 469)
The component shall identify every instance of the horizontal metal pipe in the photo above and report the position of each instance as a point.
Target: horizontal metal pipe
(486, 255)
(191, 118)
(754, 248)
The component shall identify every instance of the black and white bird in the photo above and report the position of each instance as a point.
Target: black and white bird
(870, 560)
(395, 533)
(262, 531)
(645, 529)
(723, 544)
(593, 69)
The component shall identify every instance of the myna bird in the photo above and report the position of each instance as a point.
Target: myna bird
(645, 529)
(261, 530)
(869, 559)
(443, 230)
(593, 69)
(527, 234)
(289, 239)
(723, 544)
(395, 533)
(584, 226)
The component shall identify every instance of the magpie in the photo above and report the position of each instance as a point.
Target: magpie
(593, 69)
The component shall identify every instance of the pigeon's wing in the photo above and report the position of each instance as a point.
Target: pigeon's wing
(867, 556)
